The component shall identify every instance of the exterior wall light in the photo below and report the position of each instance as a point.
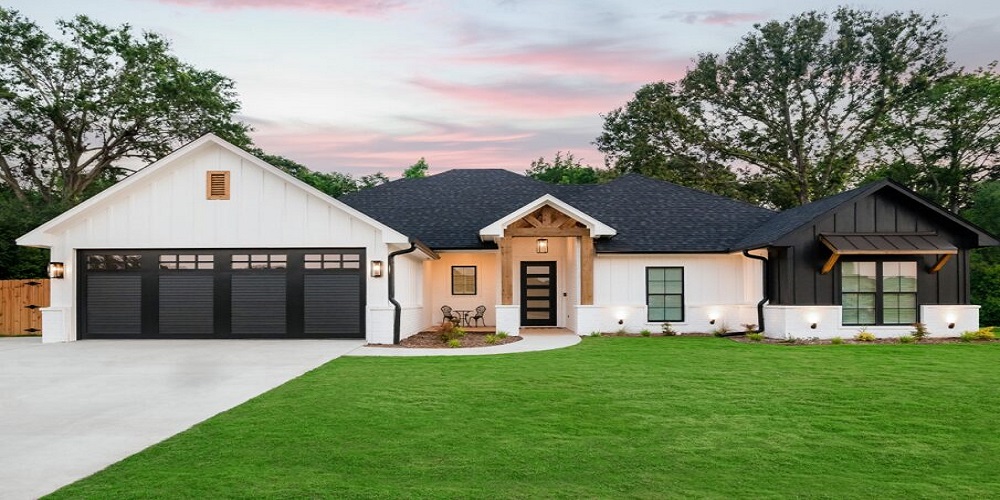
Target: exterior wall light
(56, 270)
(711, 321)
(951, 326)
(813, 326)
(376, 269)
(542, 245)
(951, 319)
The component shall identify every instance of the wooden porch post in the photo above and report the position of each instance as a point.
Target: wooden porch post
(506, 269)
(586, 270)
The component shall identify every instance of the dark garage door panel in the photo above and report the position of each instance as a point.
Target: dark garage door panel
(139, 294)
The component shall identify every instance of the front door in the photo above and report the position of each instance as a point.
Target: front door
(538, 293)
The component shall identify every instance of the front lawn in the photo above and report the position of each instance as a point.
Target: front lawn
(634, 417)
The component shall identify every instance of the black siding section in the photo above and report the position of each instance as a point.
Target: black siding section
(797, 259)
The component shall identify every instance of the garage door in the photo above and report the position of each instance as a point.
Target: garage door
(244, 293)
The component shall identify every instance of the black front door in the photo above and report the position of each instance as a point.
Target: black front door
(538, 293)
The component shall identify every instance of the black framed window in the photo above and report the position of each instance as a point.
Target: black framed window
(186, 261)
(665, 293)
(879, 293)
(463, 280)
(260, 261)
(113, 262)
(332, 261)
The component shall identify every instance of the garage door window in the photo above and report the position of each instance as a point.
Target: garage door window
(113, 262)
(332, 261)
(187, 261)
(260, 261)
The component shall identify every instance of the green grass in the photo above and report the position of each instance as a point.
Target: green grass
(612, 417)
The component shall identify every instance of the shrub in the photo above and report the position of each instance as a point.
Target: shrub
(755, 337)
(491, 339)
(749, 327)
(595, 333)
(967, 336)
(621, 332)
(452, 334)
(907, 339)
(836, 341)
(721, 330)
(454, 343)
(919, 331)
(645, 333)
(502, 334)
(865, 336)
(985, 333)
(668, 330)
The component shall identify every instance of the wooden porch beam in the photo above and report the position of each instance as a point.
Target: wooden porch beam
(832, 261)
(586, 270)
(546, 231)
(940, 263)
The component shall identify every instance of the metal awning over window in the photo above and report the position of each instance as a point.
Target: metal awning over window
(887, 244)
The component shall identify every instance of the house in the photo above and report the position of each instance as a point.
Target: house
(211, 242)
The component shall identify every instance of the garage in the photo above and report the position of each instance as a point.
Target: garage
(221, 293)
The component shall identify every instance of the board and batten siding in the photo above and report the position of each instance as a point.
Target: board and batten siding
(168, 209)
(726, 285)
(795, 265)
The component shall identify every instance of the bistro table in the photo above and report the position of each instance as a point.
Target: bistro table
(464, 313)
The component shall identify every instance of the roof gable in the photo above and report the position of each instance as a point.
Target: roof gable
(44, 235)
(597, 228)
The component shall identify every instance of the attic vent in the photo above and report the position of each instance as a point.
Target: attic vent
(217, 185)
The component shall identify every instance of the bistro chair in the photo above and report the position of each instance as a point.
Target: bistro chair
(480, 312)
(448, 316)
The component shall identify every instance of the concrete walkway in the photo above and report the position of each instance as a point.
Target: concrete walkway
(70, 410)
(533, 340)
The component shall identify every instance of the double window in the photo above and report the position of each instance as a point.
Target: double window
(665, 293)
(879, 293)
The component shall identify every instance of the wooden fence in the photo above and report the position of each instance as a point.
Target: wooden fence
(20, 304)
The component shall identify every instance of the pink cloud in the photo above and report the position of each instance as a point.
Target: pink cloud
(349, 7)
(715, 17)
(531, 98)
(605, 59)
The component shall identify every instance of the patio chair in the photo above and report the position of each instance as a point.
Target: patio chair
(480, 312)
(448, 316)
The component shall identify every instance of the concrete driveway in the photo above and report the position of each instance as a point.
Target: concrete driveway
(69, 410)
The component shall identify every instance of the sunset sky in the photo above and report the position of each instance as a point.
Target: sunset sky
(357, 86)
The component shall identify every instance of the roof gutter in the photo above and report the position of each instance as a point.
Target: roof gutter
(767, 293)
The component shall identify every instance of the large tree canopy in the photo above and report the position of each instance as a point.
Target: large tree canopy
(74, 106)
(796, 103)
(563, 169)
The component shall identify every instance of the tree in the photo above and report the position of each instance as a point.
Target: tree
(73, 107)
(334, 184)
(985, 262)
(417, 171)
(563, 170)
(947, 140)
(796, 103)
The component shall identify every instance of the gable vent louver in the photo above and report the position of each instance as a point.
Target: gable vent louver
(217, 185)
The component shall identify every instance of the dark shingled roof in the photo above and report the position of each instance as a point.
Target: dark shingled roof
(447, 210)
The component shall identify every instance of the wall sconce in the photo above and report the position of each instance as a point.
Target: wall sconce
(951, 321)
(542, 245)
(711, 321)
(56, 270)
(376, 269)
(951, 326)
(621, 322)
(813, 326)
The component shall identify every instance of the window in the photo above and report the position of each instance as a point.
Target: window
(879, 293)
(217, 185)
(260, 261)
(332, 261)
(114, 262)
(187, 262)
(665, 293)
(463, 280)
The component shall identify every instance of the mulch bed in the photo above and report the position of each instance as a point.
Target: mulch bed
(432, 340)
(848, 340)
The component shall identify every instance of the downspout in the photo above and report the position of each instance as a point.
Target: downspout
(765, 288)
(397, 315)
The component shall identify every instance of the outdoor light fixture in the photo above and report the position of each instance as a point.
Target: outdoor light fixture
(376, 269)
(621, 322)
(813, 326)
(542, 245)
(951, 326)
(56, 270)
(711, 321)
(950, 318)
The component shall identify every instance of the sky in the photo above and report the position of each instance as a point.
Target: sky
(358, 86)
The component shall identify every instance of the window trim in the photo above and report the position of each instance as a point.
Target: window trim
(879, 291)
(682, 295)
(475, 280)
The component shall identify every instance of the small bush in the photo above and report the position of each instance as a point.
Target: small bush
(595, 333)
(919, 331)
(491, 339)
(967, 336)
(907, 339)
(865, 336)
(668, 330)
(645, 333)
(502, 334)
(985, 333)
(454, 343)
(452, 334)
(749, 327)
(836, 341)
(755, 337)
(721, 330)
(621, 332)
